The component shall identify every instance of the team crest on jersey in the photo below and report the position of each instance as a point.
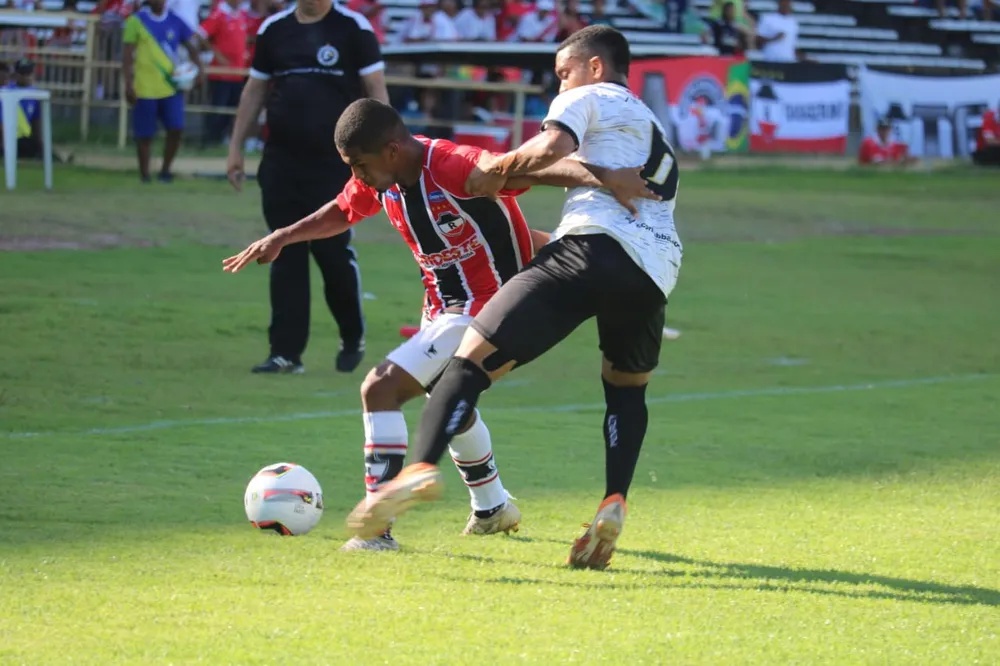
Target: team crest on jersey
(450, 224)
(327, 55)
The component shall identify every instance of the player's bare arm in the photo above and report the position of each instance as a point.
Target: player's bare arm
(251, 102)
(543, 150)
(325, 222)
(625, 185)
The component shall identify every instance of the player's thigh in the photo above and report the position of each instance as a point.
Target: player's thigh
(171, 112)
(630, 317)
(144, 116)
(537, 308)
(425, 355)
(630, 338)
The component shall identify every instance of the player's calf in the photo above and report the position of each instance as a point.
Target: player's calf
(383, 392)
(472, 453)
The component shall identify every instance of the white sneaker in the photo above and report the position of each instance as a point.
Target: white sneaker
(506, 520)
(379, 543)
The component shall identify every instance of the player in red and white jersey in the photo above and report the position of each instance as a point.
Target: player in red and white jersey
(467, 248)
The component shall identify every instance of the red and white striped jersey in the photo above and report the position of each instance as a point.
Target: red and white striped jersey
(467, 247)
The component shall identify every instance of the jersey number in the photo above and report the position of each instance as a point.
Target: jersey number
(660, 171)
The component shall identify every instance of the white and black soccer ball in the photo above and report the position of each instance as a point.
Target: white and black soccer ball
(284, 497)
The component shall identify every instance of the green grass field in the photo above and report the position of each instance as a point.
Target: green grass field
(820, 483)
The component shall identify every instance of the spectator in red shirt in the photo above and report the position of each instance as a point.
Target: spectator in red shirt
(508, 17)
(988, 141)
(225, 32)
(881, 149)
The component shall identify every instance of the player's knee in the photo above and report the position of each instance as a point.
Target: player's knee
(387, 387)
(623, 378)
(380, 389)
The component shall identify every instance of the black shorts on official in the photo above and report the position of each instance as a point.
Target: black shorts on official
(571, 280)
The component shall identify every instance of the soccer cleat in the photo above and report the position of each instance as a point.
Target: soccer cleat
(594, 549)
(349, 358)
(420, 482)
(506, 520)
(380, 543)
(165, 177)
(278, 365)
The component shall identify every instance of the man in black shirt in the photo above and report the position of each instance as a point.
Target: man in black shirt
(310, 63)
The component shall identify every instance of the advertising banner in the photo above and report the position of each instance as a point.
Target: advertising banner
(799, 107)
(703, 103)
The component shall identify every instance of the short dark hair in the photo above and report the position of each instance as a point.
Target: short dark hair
(602, 41)
(367, 125)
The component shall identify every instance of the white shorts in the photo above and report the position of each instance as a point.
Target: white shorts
(425, 354)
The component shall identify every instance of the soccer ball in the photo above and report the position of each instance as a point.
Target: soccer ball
(284, 497)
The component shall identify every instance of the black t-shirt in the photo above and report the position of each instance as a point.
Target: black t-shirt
(315, 71)
(726, 38)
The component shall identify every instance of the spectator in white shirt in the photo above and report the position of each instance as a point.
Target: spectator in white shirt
(430, 25)
(477, 23)
(777, 34)
(540, 25)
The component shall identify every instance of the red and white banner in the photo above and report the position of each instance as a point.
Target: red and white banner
(799, 107)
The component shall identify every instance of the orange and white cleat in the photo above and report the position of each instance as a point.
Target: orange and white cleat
(594, 549)
(420, 482)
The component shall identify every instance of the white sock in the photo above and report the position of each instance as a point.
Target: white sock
(385, 447)
(472, 453)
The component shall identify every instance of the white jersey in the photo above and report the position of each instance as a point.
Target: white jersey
(614, 129)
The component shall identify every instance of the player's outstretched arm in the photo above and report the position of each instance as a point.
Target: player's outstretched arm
(543, 150)
(328, 221)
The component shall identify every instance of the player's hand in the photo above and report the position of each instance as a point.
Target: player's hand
(130, 95)
(264, 251)
(234, 169)
(485, 179)
(626, 185)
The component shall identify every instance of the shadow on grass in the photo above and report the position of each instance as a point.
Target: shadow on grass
(682, 572)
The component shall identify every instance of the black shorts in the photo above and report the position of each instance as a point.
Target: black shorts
(571, 280)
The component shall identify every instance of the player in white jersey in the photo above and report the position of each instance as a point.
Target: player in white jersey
(604, 261)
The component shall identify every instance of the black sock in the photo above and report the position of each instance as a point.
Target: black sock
(449, 409)
(625, 424)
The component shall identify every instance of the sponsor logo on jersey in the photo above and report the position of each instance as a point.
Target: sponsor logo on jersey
(449, 257)
(435, 196)
(393, 194)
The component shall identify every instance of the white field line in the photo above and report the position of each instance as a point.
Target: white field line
(777, 391)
